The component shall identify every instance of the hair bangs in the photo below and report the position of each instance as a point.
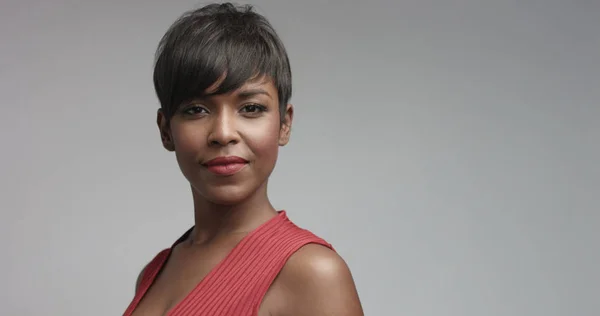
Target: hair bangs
(246, 60)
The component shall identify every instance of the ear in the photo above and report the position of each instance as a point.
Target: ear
(286, 125)
(165, 132)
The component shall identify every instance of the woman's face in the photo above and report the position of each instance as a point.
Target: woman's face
(227, 145)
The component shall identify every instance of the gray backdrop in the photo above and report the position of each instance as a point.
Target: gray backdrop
(448, 149)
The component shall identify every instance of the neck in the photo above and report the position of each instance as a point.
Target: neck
(213, 220)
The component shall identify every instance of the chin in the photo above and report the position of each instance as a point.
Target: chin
(225, 195)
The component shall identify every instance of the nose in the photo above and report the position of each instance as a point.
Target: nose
(223, 131)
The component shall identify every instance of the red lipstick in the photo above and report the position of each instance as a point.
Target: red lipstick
(226, 165)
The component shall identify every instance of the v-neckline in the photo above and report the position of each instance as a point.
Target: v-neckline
(163, 262)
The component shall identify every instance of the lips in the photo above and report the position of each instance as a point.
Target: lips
(226, 165)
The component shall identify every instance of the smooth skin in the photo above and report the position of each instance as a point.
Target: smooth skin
(315, 280)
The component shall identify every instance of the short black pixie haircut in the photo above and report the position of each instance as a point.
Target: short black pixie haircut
(215, 40)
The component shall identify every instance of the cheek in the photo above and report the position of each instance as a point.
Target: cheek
(188, 140)
(264, 143)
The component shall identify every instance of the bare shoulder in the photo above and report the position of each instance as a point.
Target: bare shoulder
(138, 281)
(317, 281)
(140, 277)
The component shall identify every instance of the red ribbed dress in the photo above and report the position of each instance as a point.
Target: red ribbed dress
(237, 285)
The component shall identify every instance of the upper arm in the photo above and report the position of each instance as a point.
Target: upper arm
(317, 281)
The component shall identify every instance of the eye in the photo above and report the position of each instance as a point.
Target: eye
(253, 109)
(195, 110)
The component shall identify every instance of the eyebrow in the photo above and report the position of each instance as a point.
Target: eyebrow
(244, 94)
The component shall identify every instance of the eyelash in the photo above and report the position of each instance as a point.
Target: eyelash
(188, 111)
(259, 109)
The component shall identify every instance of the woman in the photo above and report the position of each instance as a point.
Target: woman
(224, 82)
